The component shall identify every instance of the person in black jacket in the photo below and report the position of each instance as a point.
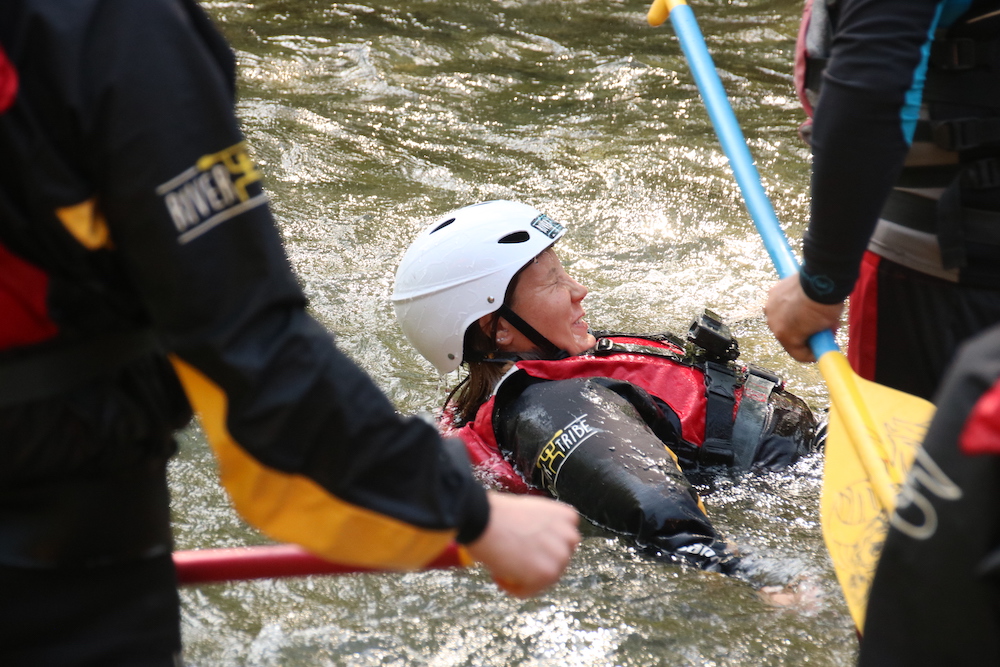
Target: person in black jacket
(141, 276)
(906, 163)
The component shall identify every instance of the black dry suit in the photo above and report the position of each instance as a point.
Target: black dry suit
(614, 432)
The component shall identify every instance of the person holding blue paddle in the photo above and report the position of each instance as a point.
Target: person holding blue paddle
(906, 220)
(875, 430)
(906, 185)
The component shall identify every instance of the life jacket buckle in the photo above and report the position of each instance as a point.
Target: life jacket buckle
(716, 453)
(982, 174)
(953, 54)
(964, 133)
(604, 345)
(767, 375)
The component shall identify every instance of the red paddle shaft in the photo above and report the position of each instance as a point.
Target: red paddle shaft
(203, 566)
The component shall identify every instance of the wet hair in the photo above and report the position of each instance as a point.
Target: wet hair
(481, 360)
(481, 376)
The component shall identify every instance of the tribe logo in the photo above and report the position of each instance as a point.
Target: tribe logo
(547, 226)
(697, 549)
(561, 445)
(214, 190)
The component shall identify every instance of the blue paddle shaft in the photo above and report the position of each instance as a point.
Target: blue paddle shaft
(735, 146)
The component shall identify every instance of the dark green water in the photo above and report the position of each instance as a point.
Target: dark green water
(369, 120)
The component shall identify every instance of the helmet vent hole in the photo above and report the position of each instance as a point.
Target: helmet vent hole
(443, 225)
(516, 237)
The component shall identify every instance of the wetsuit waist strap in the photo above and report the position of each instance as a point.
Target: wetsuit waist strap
(921, 214)
(39, 374)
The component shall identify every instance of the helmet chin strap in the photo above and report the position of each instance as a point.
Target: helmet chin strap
(545, 346)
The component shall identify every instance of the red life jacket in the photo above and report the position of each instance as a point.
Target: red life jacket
(8, 82)
(24, 316)
(681, 385)
(812, 44)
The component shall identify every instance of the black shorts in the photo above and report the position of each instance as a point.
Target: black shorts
(905, 326)
(122, 615)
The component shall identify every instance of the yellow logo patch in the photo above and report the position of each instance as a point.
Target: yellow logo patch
(214, 190)
(560, 446)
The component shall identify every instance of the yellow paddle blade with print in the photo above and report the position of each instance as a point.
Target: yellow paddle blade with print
(874, 434)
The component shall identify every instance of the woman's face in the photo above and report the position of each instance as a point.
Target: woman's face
(549, 300)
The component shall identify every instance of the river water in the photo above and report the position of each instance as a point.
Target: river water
(371, 118)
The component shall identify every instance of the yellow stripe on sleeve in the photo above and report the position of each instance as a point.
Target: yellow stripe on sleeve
(87, 224)
(293, 508)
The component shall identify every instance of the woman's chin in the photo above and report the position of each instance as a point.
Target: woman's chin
(583, 343)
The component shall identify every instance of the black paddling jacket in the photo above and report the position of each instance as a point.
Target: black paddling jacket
(870, 134)
(141, 272)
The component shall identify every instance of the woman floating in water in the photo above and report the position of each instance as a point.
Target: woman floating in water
(609, 423)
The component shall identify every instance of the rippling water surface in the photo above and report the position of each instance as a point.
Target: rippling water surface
(369, 119)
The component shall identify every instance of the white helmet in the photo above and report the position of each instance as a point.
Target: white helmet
(459, 269)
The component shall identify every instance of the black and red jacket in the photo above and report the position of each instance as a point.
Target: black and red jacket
(134, 232)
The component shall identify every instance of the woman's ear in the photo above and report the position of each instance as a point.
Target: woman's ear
(492, 321)
(503, 334)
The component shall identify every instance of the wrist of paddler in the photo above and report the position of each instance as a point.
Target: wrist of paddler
(482, 546)
(477, 518)
(794, 317)
(472, 531)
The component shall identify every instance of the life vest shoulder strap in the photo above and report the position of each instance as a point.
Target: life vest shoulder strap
(676, 352)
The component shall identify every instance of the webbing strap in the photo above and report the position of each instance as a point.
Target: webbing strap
(964, 53)
(970, 87)
(954, 222)
(920, 213)
(750, 419)
(961, 134)
(720, 385)
(41, 374)
(608, 346)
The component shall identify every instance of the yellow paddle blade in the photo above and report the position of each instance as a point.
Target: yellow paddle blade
(873, 437)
